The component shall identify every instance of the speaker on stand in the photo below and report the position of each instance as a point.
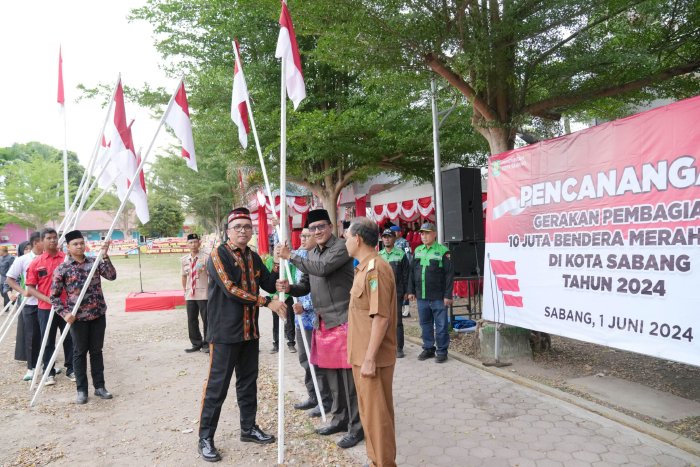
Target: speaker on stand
(463, 227)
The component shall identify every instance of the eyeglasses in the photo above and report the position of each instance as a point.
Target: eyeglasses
(306, 236)
(318, 228)
(240, 228)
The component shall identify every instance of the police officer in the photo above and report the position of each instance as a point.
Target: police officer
(431, 282)
(397, 258)
(372, 340)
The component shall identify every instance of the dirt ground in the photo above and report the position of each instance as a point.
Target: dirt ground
(569, 358)
(157, 389)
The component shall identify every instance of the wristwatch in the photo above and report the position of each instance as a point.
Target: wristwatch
(268, 299)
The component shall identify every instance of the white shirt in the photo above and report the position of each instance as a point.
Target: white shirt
(19, 269)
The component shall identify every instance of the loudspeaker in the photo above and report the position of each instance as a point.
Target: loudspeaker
(463, 217)
(467, 258)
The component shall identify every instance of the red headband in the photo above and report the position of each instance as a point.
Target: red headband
(238, 215)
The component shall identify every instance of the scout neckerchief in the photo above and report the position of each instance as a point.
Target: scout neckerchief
(193, 273)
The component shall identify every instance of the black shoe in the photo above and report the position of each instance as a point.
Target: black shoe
(275, 348)
(256, 435)
(102, 393)
(194, 348)
(205, 348)
(82, 398)
(331, 429)
(315, 412)
(207, 450)
(292, 348)
(306, 405)
(350, 440)
(441, 358)
(426, 354)
(399, 353)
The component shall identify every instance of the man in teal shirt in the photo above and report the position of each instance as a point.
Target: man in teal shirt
(431, 282)
(398, 260)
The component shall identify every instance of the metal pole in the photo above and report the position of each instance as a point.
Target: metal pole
(255, 132)
(308, 352)
(283, 272)
(436, 163)
(109, 236)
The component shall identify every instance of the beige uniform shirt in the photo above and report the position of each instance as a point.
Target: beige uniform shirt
(373, 293)
(195, 284)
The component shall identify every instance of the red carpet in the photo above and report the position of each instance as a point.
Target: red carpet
(154, 301)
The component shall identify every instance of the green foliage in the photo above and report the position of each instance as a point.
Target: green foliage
(166, 217)
(30, 151)
(520, 59)
(31, 190)
(351, 126)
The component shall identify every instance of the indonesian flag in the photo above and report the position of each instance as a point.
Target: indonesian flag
(239, 98)
(61, 98)
(122, 154)
(288, 50)
(178, 119)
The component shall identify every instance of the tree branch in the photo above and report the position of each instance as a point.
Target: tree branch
(545, 107)
(462, 86)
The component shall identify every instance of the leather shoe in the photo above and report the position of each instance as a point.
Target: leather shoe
(350, 440)
(426, 354)
(331, 429)
(194, 348)
(400, 353)
(256, 435)
(102, 393)
(82, 398)
(207, 450)
(205, 348)
(441, 358)
(315, 412)
(306, 405)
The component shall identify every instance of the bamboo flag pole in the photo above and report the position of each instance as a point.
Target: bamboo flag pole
(136, 176)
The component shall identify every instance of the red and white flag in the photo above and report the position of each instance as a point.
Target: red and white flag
(122, 154)
(239, 98)
(61, 98)
(288, 50)
(178, 119)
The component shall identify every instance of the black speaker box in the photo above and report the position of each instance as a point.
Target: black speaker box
(463, 217)
(467, 258)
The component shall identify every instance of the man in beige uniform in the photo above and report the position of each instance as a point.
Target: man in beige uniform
(372, 340)
(194, 283)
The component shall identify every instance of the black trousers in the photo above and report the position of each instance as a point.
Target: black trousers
(341, 413)
(32, 334)
(399, 323)
(223, 360)
(57, 323)
(89, 336)
(320, 375)
(195, 309)
(289, 332)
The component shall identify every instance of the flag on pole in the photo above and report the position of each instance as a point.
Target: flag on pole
(178, 119)
(239, 97)
(61, 98)
(123, 156)
(288, 50)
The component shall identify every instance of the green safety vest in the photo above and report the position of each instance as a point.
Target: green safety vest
(426, 254)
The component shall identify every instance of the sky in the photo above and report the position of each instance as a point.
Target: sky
(97, 43)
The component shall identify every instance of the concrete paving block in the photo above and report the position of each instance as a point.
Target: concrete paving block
(638, 398)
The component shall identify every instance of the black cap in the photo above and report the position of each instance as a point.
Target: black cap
(318, 215)
(192, 236)
(388, 233)
(72, 235)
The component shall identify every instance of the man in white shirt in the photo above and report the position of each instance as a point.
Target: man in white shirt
(194, 283)
(30, 317)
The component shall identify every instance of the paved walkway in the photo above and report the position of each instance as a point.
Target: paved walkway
(454, 414)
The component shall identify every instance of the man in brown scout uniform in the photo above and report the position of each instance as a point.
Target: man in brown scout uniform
(372, 340)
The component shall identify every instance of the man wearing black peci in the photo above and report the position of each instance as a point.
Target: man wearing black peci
(236, 275)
